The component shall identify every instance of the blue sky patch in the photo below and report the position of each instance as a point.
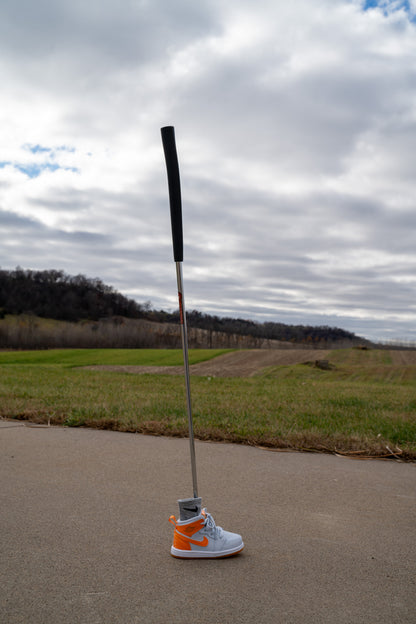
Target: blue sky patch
(33, 170)
(390, 6)
(36, 149)
(41, 149)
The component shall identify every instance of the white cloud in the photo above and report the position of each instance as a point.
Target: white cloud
(295, 127)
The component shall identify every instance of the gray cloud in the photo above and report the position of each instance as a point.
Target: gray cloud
(101, 31)
(295, 129)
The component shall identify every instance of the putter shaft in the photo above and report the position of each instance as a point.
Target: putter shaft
(184, 336)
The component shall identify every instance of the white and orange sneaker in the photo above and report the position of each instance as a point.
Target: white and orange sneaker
(200, 537)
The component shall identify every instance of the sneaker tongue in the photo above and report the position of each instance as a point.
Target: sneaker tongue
(189, 508)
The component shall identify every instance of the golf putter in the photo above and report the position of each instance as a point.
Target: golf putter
(195, 535)
(175, 200)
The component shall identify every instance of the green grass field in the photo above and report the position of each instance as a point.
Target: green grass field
(90, 357)
(364, 406)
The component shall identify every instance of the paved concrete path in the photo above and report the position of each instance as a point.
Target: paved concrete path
(85, 536)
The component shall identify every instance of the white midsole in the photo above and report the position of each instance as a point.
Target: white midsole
(200, 554)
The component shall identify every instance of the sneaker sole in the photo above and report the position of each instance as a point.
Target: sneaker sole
(202, 554)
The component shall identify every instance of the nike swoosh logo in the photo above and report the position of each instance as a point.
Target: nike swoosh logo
(203, 542)
(194, 509)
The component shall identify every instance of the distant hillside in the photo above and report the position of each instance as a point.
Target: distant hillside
(54, 295)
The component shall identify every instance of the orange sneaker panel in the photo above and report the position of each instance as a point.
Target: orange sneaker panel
(192, 528)
(183, 533)
(180, 542)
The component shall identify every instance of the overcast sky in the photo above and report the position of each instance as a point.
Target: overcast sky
(296, 131)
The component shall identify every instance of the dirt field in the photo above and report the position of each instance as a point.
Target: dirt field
(403, 358)
(235, 364)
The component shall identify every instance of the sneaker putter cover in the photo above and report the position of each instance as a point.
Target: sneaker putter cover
(198, 537)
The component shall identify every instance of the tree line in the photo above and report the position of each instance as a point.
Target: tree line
(268, 330)
(54, 294)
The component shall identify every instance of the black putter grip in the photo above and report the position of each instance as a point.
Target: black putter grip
(174, 183)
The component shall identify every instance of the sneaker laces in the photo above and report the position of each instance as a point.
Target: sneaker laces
(210, 526)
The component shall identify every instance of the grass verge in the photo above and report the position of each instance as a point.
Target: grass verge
(364, 407)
